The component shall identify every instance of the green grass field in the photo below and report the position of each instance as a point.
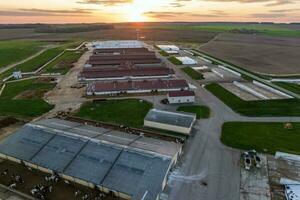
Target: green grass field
(294, 87)
(193, 73)
(164, 53)
(200, 111)
(265, 29)
(283, 107)
(28, 105)
(16, 50)
(64, 63)
(128, 112)
(40, 60)
(174, 60)
(262, 136)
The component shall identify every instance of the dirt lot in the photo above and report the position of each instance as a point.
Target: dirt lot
(261, 54)
(61, 190)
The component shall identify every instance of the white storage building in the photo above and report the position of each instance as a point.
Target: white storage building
(176, 97)
(179, 122)
(187, 60)
(168, 48)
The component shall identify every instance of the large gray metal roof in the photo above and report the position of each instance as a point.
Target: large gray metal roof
(171, 118)
(60, 148)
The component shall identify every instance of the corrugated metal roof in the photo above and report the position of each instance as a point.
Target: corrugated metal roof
(183, 93)
(172, 118)
(57, 147)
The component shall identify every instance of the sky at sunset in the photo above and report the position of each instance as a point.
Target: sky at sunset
(74, 11)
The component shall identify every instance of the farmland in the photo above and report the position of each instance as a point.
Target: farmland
(264, 137)
(260, 54)
(264, 29)
(17, 50)
(24, 98)
(282, 107)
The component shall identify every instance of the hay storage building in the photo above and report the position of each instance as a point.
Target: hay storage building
(171, 121)
(177, 97)
(130, 166)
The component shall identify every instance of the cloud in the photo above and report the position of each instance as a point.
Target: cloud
(168, 15)
(105, 2)
(268, 2)
(45, 12)
(268, 15)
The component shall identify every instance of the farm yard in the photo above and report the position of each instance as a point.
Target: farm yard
(260, 54)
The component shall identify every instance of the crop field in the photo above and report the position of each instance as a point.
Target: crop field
(261, 108)
(262, 136)
(24, 98)
(260, 54)
(16, 50)
(127, 112)
(200, 111)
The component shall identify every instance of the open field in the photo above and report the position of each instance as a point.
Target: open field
(64, 62)
(193, 73)
(200, 111)
(174, 60)
(119, 33)
(264, 29)
(263, 137)
(16, 50)
(40, 60)
(294, 87)
(281, 107)
(128, 112)
(261, 54)
(24, 98)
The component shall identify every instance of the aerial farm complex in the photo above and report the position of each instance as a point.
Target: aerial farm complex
(133, 120)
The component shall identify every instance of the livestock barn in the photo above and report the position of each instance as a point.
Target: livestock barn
(134, 87)
(179, 122)
(130, 166)
(100, 74)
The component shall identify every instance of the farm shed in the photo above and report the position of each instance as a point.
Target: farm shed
(130, 166)
(187, 60)
(184, 96)
(171, 121)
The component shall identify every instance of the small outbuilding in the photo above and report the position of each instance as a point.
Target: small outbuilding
(177, 97)
(179, 122)
(187, 60)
